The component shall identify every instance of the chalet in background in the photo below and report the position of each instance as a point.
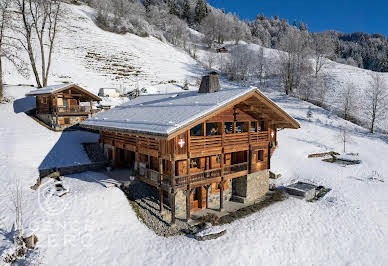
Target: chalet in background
(62, 106)
(199, 148)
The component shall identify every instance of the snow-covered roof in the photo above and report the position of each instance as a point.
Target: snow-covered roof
(163, 114)
(60, 87)
(49, 89)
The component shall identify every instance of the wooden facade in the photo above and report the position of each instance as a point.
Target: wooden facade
(233, 141)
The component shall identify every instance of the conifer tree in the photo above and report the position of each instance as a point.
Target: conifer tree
(186, 10)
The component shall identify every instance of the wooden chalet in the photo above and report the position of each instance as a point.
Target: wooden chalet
(62, 106)
(196, 148)
(222, 50)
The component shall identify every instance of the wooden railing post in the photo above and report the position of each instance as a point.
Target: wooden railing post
(173, 172)
(188, 192)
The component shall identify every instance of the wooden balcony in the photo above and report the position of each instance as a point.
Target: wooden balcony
(72, 109)
(206, 143)
(155, 178)
(235, 170)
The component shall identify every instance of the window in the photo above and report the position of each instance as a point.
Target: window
(67, 121)
(261, 126)
(43, 100)
(260, 155)
(252, 127)
(240, 127)
(211, 129)
(196, 131)
(218, 159)
(194, 163)
(228, 127)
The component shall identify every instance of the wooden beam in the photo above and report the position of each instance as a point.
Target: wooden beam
(207, 187)
(161, 207)
(173, 172)
(188, 192)
(222, 196)
(172, 205)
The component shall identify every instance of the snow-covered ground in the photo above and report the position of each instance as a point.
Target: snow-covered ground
(95, 225)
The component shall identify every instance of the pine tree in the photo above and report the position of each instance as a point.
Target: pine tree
(147, 4)
(186, 10)
(201, 11)
(173, 7)
(294, 23)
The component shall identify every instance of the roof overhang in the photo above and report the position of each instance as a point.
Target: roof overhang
(65, 87)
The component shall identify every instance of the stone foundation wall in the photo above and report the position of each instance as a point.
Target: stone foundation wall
(214, 200)
(180, 204)
(251, 187)
(46, 118)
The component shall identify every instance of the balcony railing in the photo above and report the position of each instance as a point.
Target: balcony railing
(155, 176)
(235, 139)
(231, 169)
(72, 109)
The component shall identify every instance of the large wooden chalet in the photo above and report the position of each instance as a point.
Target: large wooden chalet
(198, 148)
(64, 105)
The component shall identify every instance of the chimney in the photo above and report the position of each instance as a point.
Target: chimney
(210, 83)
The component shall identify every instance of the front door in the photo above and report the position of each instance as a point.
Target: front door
(198, 198)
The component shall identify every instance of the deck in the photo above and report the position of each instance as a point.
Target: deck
(154, 178)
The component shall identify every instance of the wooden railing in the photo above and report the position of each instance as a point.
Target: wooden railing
(155, 176)
(72, 109)
(209, 174)
(208, 142)
(260, 136)
(230, 169)
(236, 139)
(213, 142)
(150, 174)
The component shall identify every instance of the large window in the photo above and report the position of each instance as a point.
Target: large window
(241, 127)
(196, 131)
(228, 127)
(262, 126)
(252, 127)
(212, 129)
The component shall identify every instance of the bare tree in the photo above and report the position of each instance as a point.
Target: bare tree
(348, 101)
(239, 31)
(39, 18)
(210, 60)
(322, 46)
(260, 65)
(293, 59)
(241, 64)
(376, 100)
(344, 137)
(9, 49)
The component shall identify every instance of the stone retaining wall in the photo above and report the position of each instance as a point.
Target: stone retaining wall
(68, 170)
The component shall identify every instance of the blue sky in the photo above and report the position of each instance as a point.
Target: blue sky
(342, 15)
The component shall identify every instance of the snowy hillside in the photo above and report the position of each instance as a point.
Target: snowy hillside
(337, 76)
(95, 225)
(94, 58)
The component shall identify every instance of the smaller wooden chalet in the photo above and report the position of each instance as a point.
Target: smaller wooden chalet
(222, 50)
(198, 148)
(62, 106)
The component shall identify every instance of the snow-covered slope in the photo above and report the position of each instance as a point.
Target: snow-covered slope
(337, 77)
(94, 58)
